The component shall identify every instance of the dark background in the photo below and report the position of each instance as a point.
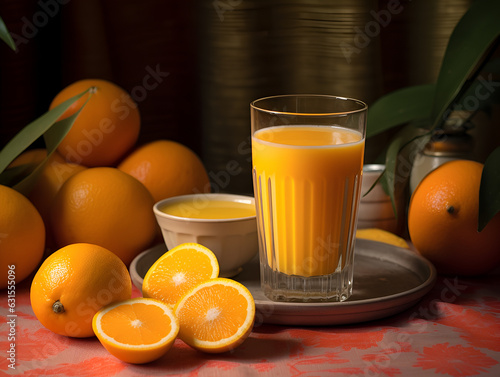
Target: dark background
(219, 55)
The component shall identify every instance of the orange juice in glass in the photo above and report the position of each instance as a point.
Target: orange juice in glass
(307, 157)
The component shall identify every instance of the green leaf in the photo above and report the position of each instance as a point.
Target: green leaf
(57, 132)
(470, 101)
(379, 178)
(399, 160)
(471, 39)
(33, 131)
(5, 35)
(480, 94)
(52, 130)
(489, 192)
(15, 174)
(400, 107)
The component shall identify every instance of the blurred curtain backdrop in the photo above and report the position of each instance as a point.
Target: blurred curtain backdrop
(215, 57)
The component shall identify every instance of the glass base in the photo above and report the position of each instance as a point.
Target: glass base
(292, 288)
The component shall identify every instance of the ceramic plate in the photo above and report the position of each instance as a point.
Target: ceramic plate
(387, 280)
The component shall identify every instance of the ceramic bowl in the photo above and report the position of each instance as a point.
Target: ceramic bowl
(234, 241)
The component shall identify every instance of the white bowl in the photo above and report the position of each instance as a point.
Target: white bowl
(234, 241)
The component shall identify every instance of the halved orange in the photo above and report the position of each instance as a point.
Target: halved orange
(136, 331)
(179, 270)
(216, 315)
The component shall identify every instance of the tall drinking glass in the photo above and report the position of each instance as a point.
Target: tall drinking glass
(307, 156)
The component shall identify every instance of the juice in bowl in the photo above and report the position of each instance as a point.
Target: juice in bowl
(215, 209)
(224, 223)
(307, 156)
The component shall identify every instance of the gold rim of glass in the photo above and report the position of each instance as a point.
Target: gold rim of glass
(361, 106)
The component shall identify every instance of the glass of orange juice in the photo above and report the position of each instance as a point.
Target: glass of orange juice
(307, 157)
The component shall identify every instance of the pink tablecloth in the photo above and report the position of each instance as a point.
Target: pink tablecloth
(453, 331)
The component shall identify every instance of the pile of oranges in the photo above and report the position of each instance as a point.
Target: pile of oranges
(92, 202)
(99, 187)
(90, 212)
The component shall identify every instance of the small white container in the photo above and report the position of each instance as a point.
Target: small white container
(233, 241)
(375, 208)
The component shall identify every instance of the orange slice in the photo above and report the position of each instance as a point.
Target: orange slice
(216, 316)
(136, 331)
(381, 235)
(179, 270)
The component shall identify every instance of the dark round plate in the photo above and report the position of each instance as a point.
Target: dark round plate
(387, 280)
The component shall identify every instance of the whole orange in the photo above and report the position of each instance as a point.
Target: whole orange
(55, 172)
(24, 164)
(73, 284)
(106, 207)
(107, 127)
(22, 237)
(30, 158)
(443, 220)
(49, 181)
(167, 169)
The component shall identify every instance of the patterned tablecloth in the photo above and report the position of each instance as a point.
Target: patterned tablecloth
(453, 331)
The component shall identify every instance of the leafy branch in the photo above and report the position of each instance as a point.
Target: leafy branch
(48, 126)
(469, 51)
(52, 130)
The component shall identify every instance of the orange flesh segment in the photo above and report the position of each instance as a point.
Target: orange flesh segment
(178, 270)
(123, 324)
(224, 312)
